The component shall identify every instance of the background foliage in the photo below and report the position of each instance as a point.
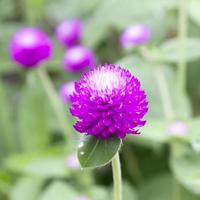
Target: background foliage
(33, 148)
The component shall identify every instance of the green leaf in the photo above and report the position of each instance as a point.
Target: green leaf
(59, 190)
(26, 188)
(93, 152)
(194, 7)
(5, 182)
(170, 50)
(47, 163)
(33, 115)
(163, 186)
(62, 10)
(185, 166)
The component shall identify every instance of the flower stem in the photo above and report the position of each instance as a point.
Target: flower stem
(165, 95)
(56, 105)
(6, 122)
(116, 168)
(182, 62)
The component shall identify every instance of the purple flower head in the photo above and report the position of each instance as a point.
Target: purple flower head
(30, 46)
(69, 33)
(177, 128)
(77, 58)
(72, 161)
(81, 198)
(108, 101)
(66, 90)
(135, 35)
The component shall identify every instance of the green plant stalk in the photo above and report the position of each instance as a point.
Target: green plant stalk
(6, 122)
(56, 105)
(117, 179)
(165, 96)
(182, 34)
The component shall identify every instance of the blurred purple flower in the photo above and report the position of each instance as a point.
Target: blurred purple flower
(72, 161)
(81, 198)
(177, 128)
(108, 101)
(30, 46)
(66, 90)
(69, 32)
(78, 58)
(135, 35)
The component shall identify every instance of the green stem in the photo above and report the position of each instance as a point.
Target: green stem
(182, 62)
(116, 168)
(56, 105)
(6, 131)
(165, 96)
(177, 190)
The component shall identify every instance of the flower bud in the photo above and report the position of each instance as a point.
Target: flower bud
(69, 33)
(66, 90)
(135, 35)
(78, 58)
(30, 46)
(177, 128)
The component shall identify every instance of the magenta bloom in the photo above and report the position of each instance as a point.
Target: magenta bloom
(78, 58)
(82, 198)
(30, 46)
(69, 33)
(66, 90)
(72, 161)
(135, 35)
(178, 128)
(108, 101)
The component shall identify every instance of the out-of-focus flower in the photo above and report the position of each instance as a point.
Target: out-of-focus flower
(69, 32)
(30, 46)
(72, 161)
(108, 101)
(66, 90)
(177, 128)
(82, 198)
(135, 35)
(78, 58)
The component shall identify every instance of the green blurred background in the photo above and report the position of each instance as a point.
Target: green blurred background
(155, 165)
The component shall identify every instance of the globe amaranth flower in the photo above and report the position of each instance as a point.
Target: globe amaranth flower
(66, 90)
(78, 58)
(108, 101)
(177, 128)
(69, 32)
(135, 35)
(81, 198)
(30, 46)
(72, 161)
